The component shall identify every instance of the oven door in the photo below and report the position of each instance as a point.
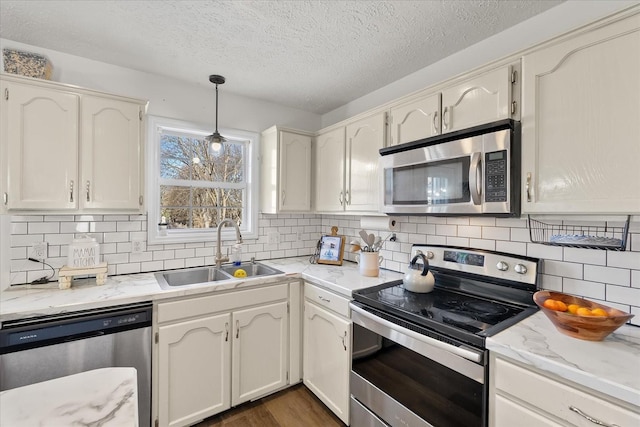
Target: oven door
(400, 377)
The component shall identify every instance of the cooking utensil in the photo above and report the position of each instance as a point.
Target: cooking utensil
(371, 240)
(355, 246)
(416, 280)
(377, 244)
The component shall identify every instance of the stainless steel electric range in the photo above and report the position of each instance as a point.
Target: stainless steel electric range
(419, 359)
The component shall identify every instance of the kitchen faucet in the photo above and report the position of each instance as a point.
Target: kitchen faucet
(219, 258)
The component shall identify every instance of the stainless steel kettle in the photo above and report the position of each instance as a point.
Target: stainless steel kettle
(416, 280)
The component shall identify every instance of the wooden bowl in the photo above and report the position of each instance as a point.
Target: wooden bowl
(590, 328)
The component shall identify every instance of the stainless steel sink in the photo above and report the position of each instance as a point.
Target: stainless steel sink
(252, 269)
(205, 275)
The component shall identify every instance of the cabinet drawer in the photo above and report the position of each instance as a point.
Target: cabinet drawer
(557, 398)
(198, 306)
(508, 414)
(327, 299)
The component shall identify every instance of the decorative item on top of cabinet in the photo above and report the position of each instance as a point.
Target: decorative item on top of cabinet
(61, 143)
(347, 166)
(285, 169)
(611, 235)
(581, 121)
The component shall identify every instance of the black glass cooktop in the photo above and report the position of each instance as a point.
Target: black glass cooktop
(464, 316)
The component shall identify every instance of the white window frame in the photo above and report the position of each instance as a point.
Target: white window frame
(249, 227)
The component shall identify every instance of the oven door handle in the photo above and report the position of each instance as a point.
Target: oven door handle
(467, 354)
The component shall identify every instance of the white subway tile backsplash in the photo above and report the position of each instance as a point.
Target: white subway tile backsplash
(625, 259)
(495, 233)
(584, 288)
(564, 269)
(585, 256)
(596, 274)
(609, 275)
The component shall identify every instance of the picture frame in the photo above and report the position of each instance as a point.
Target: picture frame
(331, 250)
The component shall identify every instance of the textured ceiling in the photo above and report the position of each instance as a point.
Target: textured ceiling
(312, 55)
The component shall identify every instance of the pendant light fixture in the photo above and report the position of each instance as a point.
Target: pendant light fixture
(215, 140)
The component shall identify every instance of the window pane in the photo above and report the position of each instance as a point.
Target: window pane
(174, 196)
(175, 157)
(217, 197)
(177, 217)
(227, 165)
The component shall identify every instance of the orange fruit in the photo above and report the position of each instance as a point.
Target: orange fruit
(584, 311)
(573, 308)
(599, 312)
(554, 304)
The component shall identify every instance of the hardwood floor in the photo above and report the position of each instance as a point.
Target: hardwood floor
(293, 407)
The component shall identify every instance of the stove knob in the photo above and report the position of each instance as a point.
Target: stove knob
(430, 255)
(520, 269)
(502, 266)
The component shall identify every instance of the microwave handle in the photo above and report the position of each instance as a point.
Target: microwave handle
(475, 178)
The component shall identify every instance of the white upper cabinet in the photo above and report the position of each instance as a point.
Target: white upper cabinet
(365, 138)
(111, 154)
(285, 162)
(346, 166)
(70, 149)
(414, 120)
(581, 123)
(329, 171)
(486, 97)
(40, 133)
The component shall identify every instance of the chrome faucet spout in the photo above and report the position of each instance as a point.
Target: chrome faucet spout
(219, 258)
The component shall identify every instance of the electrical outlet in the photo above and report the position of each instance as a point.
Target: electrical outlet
(298, 235)
(137, 246)
(39, 251)
(273, 237)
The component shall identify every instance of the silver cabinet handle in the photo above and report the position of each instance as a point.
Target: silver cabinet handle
(445, 114)
(344, 340)
(88, 190)
(323, 299)
(528, 188)
(435, 124)
(347, 199)
(341, 199)
(589, 418)
(284, 196)
(226, 329)
(237, 328)
(71, 191)
(5, 198)
(475, 178)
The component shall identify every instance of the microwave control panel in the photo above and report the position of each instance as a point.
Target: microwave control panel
(496, 178)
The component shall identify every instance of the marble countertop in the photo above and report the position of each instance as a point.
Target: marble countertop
(104, 397)
(28, 301)
(611, 366)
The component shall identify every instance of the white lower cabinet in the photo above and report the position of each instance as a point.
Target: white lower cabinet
(217, 351)
(327, 349)
(528, 397)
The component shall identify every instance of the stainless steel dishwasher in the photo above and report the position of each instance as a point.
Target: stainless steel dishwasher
(43, 348)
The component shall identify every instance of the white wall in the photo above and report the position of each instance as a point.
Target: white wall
(172, 98)
(553, 22)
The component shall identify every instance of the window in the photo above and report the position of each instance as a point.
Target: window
(192, 189)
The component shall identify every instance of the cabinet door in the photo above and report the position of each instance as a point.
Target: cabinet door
(327, 358)
(507, 413)
(194, 370)
(415, 120)
(260, 351)
(482, 99)
(42, 147)
(295, 172)
(365, 138)
(329, 171)
(581, 121)
(111, 154)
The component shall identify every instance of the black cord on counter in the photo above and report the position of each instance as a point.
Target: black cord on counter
(45, 279)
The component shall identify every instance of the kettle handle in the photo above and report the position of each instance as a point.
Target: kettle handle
(425, 264)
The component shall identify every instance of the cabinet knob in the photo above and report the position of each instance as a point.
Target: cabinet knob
(502, 266)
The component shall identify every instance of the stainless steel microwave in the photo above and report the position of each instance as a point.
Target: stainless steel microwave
(470, 172)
